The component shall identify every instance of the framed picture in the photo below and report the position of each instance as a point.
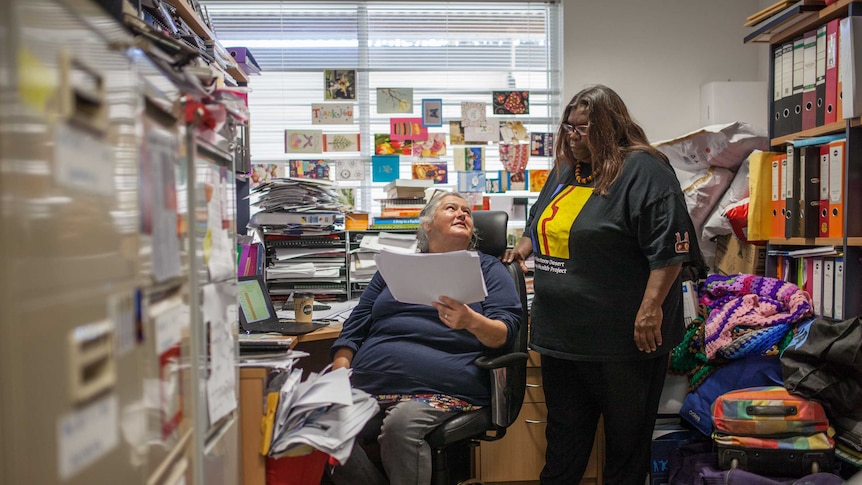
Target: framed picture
(432, 112)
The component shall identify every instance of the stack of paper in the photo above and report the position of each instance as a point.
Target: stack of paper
(456, 274)
(322, 412)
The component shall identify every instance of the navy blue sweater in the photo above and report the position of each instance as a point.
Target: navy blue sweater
(403, 348)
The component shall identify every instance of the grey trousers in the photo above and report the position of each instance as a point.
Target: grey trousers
(405, 454)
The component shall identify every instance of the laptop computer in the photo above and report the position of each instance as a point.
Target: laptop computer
(257, 313)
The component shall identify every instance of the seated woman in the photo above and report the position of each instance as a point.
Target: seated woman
(417, 359)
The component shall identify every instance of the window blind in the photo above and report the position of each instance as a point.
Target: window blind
(454, 51)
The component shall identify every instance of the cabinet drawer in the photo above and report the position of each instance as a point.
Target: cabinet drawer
(520, 455)
(535, 393)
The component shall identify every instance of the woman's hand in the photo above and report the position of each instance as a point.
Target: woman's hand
(519, 253)
(458, 316)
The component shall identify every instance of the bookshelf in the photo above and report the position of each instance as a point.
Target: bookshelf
(778, 32)
(191, 17)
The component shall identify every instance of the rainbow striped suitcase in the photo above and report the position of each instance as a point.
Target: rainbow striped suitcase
(770, 431)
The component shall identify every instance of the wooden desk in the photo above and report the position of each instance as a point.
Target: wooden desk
(252, 381)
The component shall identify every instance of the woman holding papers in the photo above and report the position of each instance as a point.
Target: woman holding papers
(610, 231)
(417, 359)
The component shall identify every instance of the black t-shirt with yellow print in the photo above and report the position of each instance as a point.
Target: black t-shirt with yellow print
(593, 255)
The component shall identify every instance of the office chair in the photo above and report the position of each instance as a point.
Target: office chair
(508, 371)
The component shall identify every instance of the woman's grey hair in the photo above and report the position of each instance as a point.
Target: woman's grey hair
(426, 216)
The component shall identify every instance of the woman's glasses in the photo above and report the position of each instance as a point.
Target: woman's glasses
(580, 129)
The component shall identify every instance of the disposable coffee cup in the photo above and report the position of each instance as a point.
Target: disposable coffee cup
(303, 306)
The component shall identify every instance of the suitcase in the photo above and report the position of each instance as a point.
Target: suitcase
(770, 431)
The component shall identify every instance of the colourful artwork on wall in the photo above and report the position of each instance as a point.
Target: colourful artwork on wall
(394, 100)
(331, 114)
(302, 141)
(384, 145)
(384, 168)
(511, 102)
(432, 112)
(401, 129)
(339, 84)
(438, 172)
(433, 146)
(341, 142)
(542, 144)
(309, 169)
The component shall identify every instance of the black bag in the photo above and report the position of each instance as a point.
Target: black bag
(823, 363)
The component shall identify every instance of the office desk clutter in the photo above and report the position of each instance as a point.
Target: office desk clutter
(320, 413)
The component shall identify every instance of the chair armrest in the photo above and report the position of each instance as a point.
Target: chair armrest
(508, 385)
(506, 360)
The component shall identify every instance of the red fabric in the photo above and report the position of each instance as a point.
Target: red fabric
(737, 215)
(296, 470)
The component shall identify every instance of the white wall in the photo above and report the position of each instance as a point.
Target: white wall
(657, 54)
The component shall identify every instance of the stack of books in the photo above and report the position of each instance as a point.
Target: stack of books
(406, 198)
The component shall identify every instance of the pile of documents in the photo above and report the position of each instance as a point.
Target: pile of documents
(306, 205)
(323, 412)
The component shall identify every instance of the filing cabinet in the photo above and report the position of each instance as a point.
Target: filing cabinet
(518, 457)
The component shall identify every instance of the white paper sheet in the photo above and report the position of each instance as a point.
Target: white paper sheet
(424, 277)
(221, 383)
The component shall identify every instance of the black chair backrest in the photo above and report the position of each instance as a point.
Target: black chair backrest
(492, 228)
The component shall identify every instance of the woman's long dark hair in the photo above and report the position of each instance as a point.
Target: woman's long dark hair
(612, 135)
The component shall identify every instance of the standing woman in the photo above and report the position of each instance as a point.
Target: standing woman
(610, 231)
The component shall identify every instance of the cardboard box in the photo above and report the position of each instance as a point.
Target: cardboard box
(733, 256)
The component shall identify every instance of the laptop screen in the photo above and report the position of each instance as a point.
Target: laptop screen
(254, 302)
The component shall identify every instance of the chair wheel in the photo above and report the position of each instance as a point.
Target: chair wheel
(734, 463)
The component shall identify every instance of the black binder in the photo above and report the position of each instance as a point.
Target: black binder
(791, 193)
(820, 82)
(809, 194)
(795, 125)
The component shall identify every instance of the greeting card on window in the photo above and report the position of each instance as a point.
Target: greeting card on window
(537, 179)
(384, 145)
(469, 159)
(331, 114)
(341, 142)
(309, 169)
(302, 141)
(513, 132)
(432, 112)
(511, 102)
(471, 181)
(394, 100)
(473, 114)
(496, 181)
(401, 129)
(339, 84)
(438, 172)
(517, 180)
(542, 144)
(514, 157)
(263, 172)
(481, 134)
(352, 169)
(384, 168)
(434, 146)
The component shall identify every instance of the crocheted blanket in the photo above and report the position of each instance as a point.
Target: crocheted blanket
(744, 315)
(750, 301)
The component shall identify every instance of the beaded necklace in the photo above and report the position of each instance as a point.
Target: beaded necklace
(582, 180)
